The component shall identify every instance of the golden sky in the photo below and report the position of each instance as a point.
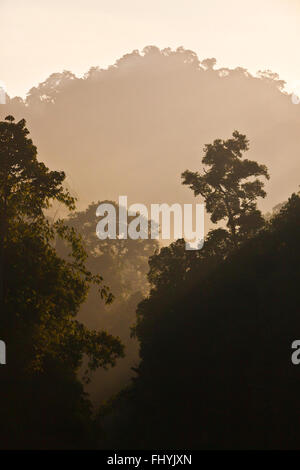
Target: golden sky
(38, 37)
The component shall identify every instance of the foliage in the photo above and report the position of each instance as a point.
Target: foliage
(41, 292)
(123, 264)
(216, 368)
(226, 188)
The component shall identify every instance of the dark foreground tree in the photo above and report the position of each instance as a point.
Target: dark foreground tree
(42, 402)
(230, 186)
(216, 369)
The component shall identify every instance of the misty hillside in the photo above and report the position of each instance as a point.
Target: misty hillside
(133, 128)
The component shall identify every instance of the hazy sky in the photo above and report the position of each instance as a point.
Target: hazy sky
(38, 37)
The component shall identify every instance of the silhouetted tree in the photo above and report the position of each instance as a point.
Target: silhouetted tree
(124, 264)
(41, 298)
(227, 188)
(216, 369)
(26, 185)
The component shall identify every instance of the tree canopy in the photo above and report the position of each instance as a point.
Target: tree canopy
(42, 292)
(227, 188)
